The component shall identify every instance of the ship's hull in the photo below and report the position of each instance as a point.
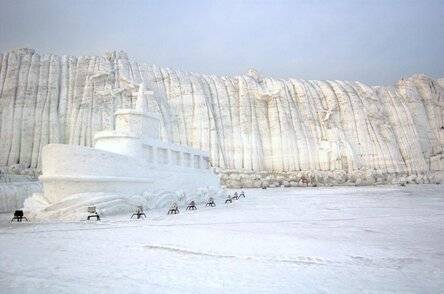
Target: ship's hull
(69, 170)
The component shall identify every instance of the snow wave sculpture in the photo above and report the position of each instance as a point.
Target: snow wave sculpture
(257, 130)
(124, 165)
(74, 207)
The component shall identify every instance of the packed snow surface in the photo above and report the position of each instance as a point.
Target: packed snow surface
(295, 240)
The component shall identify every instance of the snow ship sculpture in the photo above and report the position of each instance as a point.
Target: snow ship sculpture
(129, 160)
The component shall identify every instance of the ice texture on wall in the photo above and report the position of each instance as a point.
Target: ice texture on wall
(256, 129)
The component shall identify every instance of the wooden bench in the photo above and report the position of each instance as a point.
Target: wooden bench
(139, 212)
(211, 202)
(18, 216)
(174, 209)
(304, 180)
(192, 206)
(93, 213)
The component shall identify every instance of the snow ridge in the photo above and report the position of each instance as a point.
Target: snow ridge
(258, 131)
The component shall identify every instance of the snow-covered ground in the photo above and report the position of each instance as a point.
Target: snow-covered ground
(292, 240)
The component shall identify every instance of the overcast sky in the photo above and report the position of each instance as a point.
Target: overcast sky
(377, 42)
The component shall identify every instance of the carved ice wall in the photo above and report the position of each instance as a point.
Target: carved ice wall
(256, 129)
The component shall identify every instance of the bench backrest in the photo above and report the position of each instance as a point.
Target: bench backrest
(92, 209)
(18, 213)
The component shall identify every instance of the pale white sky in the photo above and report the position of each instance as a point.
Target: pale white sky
(377, 42)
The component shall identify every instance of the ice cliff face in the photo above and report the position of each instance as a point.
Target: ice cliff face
(257, 130)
